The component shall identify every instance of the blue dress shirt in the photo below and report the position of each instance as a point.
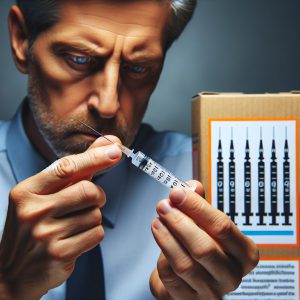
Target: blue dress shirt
(129, 251)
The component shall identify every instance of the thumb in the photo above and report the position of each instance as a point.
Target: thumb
(106, 140)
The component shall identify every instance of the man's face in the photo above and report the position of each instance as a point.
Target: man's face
(99, 64)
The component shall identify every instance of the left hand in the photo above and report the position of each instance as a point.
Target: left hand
(204, 255)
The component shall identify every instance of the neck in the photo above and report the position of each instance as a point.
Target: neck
(35, 136)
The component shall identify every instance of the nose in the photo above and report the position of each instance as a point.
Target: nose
(106, 83)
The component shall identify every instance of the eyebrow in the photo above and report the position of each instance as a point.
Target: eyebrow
(144, 59)
(86, 48)
(95, 50)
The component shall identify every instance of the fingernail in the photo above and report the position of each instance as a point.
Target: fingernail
(164, 207)
(113, 152)
(157, 224)
(177, 196)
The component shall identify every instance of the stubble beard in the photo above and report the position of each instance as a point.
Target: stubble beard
(59, 133)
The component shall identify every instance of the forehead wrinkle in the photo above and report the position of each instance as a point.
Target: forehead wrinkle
(91, 36)
(126, 32)
(107, 19)
(89, 48)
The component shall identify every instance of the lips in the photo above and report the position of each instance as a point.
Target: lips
(86, 135)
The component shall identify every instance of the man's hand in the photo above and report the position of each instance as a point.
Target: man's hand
(204, 255)
(53, 217)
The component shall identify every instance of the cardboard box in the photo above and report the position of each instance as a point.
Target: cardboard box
(246, 154)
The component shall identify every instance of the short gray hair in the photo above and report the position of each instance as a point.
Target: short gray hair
(182, 13)
(42, 14)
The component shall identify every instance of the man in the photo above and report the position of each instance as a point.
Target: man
(98, 61)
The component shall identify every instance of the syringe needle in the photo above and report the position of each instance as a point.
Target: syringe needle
(100, 134)
(125, 150)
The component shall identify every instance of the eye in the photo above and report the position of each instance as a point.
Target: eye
(134, 71)
(134, 68)
(137, 69)
(80, 62)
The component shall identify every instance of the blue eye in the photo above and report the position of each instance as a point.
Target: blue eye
(137, 69)
(81, 60)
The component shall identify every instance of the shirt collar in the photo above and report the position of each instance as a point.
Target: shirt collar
(24, 158)
(26, 161)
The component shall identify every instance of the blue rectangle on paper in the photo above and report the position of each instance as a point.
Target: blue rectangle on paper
(269, 232)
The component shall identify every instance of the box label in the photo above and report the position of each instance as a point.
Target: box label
(270, 280)
(253, 176)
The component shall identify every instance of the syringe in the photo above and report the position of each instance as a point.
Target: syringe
(149, 166)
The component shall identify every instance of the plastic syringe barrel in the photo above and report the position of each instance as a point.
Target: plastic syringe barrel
(156, 171)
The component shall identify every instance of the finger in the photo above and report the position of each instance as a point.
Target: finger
(157, 288)
(72, 168)
(79, 196)
(72, 247)
(182, 263)
(69, 226)
(176, 287)
(199, 189)
(105, 140)
(218, 226)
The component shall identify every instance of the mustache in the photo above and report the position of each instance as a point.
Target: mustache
(102, 126)
(81, 124)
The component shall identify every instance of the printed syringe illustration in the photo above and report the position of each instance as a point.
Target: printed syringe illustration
(273, 182)
(247, 184)
(264, 204)
(261, 183)
(220, 176)
(286, 184)
(148, 165)
(232, 205)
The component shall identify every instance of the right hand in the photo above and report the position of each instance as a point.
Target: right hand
(53, 217)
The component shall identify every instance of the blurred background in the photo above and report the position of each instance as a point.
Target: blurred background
(250, 46)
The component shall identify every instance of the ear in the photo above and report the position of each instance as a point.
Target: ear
(19, 40)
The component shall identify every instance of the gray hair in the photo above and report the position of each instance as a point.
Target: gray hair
(182, 13)
(40, 15)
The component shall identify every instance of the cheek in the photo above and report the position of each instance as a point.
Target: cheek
(72, 97)
(63, 94)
